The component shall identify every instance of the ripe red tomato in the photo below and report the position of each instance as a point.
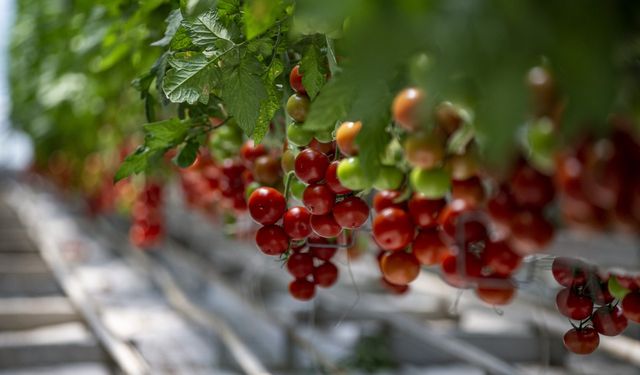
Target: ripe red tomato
(598, 291)
(318, 199)
(321, 252)
(570, 272)
(351, 212)
(531, 188)
(500, 258)
(609, 321)
(428, 247)
(346, 137)
(502, 208)
(581, 341)
(297, 223)
(573, 305)
(325, 275)
(324, 147)
(399, 268)
(424, 212)
(272, 240)
(300, 265)
(393, 229)
(500, 293)
(325, 225)
(530, 232)
(461, 224)
(298, 107)
(295, 80)
(266, 205)
(266, 170)
(393, 288)
(331, 177)
(302, 289)
(311, 166)
(631, 306)
(470, 190)
(250, 151)
(387, 198)
(407, 108)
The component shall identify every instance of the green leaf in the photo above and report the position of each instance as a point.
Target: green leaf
(165, 134)
(331, 105)
(181, 39)
(260, 15)
(313, 69)
(190, 79)
(173, 22)
(187, 154)
(133, 164)
(205, 29)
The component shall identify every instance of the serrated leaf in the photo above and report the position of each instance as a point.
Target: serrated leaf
(331, 104)
(173, 22)
(165, 134)
(181, 39)
(190, 79)
(133, 164)
(187, 154)
(313, 69)
(260, 15)
(205, 29)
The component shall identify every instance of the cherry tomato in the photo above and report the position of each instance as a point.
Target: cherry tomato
(428, 247)
(393, 229)
(298, 107)
(300, 265)
(311, 166)
(351, 175)
(296, 223)
(407, 108)
(609, 321)
(470, 190)
(463, 166)
(298, 136)
(287, 162)
(573, 305)
(325, 275)
(346, 137)
(530, 232)
(424, 211)
(318, 199)
(399, 268)
(500, 258)
(328, 147)
(531, 188)
(462, 224)
(432, 183)
(250, 151)
(631, 306)
(598, 291)
(295, 80)
(272, 240)
(500, 293)
(581, 341)
(389, 178)
(331, 177)
(266, 205)
(325, 136)
(393, 288)
(325, 225)
(387, 198)
(266, 170)
(448, 117)
(297, 188)
(321, 252)
(351, 212)
(302, 289)
(570, 272)
(502, 208)
(425, 149)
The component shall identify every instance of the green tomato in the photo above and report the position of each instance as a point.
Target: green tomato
(617, 290)
(350, 174)
(298, 107)
(324, 136)
(541, 140)
(432, 183)
(296, 188)
(250, 189)
(389, 178)
(298, 136)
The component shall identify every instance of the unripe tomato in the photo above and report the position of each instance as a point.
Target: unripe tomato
(399, 268)
(298, 107)
(425, 149)
(407, 108)
(266, 170)
(325, 136)
(393, 229)
(448, 117)
(389, 178)
(298, 136)
(346, 137)
(432, 183)
(463, 166)
(296, 188)
(295, 80)
(350, 174)
(287, 162)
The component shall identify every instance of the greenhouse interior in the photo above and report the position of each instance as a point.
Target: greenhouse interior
(300, 187)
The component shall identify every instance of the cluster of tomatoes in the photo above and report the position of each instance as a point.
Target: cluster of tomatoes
(593, 300)
(147, 228)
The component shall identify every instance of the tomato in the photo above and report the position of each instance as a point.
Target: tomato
(326, 136)
(311, 166)
(530, 232)
(287, 162)
(250, 151)
(266, 170)
(331, 177)
(389, 178)
(502, 208)
(500, 293)
(598, 291)
(266, 205)
(432, 183)
(424, 211)
(295, 80)
(631, 306)
(321, 252)
(428, 247)
(298, 136)
(318, 199)
(302, 289)
(451, 274)
(325, 225)
(470, 190)
(425, 149)
(581, 341)
(351, 175)
(351, 212)
(530, 188)
(296, 223)
(462, 224)
(325, 147)
(609, 321)
(500, 258)
(300, 265)
(570, 272)
(407, 108)
(272, 240)
(298, 107)
(297, 187)
(393, 229)
(250, 188)
(325, 275)
(448, 117)
(399, 268)
(346, 137)
(387, 198)
(463, 166)
(573, 305)
(393, 288)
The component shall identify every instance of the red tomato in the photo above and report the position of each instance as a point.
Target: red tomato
(399, 268)
(581, 341)
(266, 205)
(296, 223)
(272, 240)
(393, 229)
